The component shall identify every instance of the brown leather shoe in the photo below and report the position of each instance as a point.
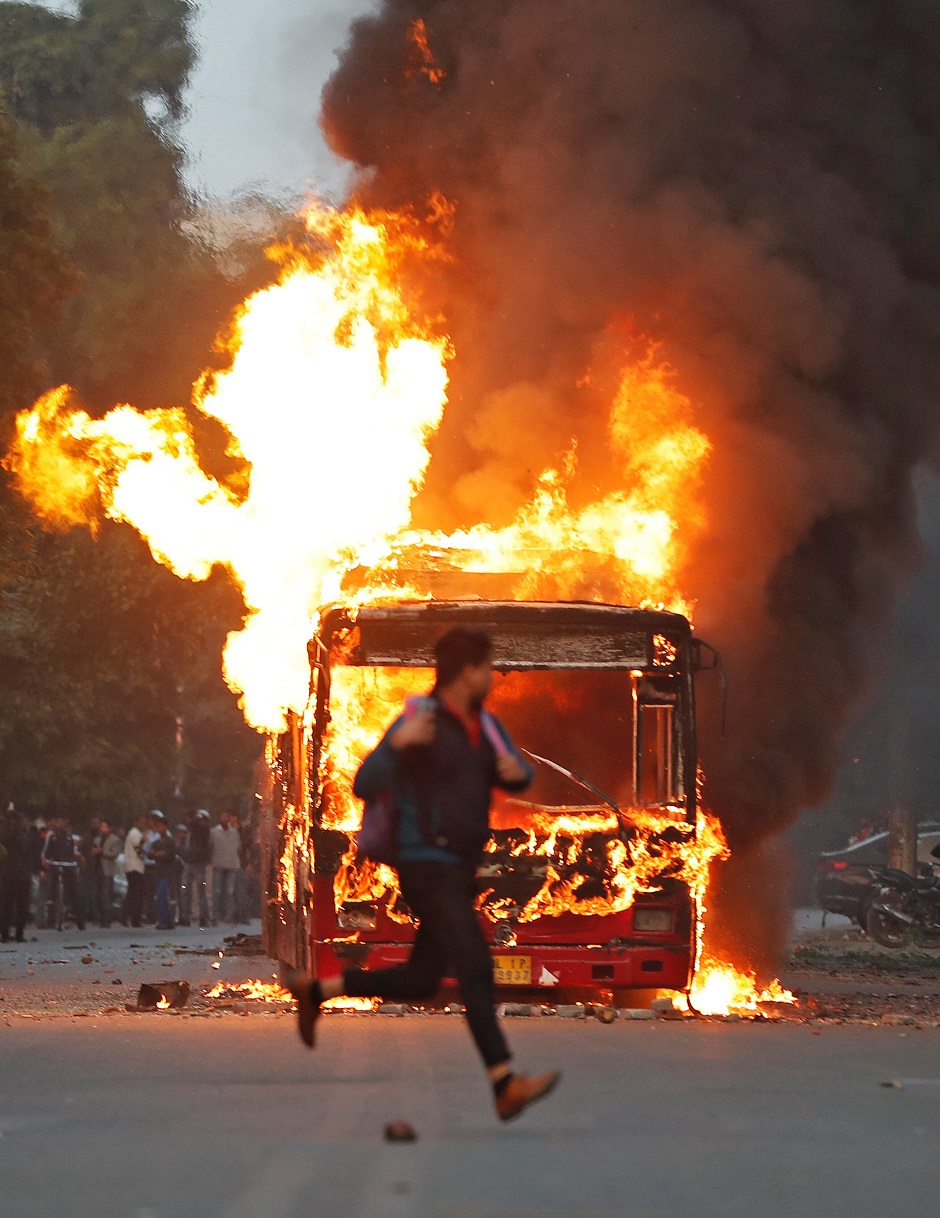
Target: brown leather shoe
(521, 1091)
(308, 1011)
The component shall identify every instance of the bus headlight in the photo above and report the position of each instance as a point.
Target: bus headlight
(652, 919)
(504, 934)
(357, 917)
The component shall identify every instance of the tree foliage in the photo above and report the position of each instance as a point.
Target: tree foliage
(103, 656)
(34, 275)
(96, 98)
(114, 56)
(102, 651)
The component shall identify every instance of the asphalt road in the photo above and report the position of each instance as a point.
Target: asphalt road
(161, 1117)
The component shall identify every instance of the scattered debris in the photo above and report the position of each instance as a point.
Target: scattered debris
(161, 997)
(400, 1131)
(243, 945)
(88, 959)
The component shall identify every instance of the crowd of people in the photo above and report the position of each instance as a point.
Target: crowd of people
(192, 873)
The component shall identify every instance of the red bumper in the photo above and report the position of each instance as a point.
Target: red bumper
(567, 966)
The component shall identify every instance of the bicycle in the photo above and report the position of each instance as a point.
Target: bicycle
(55, 901)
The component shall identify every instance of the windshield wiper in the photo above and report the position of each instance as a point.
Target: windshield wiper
(583, 782)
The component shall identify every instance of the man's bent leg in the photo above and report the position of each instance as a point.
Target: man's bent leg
(457, 916)
(415, 981)
(442, 895)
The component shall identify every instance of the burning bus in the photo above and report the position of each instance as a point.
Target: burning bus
(593, 880)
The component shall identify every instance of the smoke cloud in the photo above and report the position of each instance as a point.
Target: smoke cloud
(753, 186)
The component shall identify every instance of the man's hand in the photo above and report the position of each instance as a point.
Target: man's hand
(510, 768)
(419, 729)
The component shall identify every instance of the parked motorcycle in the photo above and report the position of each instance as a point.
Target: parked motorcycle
(905, 910)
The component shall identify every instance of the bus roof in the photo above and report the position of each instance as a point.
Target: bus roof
(526, 634)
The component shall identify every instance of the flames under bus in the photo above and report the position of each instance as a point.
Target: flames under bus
(586, 881)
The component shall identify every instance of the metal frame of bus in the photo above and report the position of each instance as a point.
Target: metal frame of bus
(659, 652)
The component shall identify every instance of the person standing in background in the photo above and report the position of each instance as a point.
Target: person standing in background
(89, 868)
(35, 840)
(151, 834)
(162, 853)
(60, 858)
(194, 889)
(226, 863)
(248, 902)
(134, 870)
(108, 847)
(180, 833)
(15, 876)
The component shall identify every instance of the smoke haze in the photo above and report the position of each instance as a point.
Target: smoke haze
(753, 187)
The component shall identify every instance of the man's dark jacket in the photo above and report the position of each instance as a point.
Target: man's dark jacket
(15, 841)
(60, 847)
(162, 852)
(447, 784)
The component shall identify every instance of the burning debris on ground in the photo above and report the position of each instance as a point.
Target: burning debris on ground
(828, 988)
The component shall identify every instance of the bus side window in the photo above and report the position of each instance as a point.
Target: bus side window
(655, 749)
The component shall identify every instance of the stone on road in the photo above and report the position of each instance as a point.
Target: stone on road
(150, 1117)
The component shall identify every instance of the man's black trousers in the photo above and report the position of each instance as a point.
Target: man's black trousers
(441, 897)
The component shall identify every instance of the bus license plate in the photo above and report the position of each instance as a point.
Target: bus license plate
(513, 970)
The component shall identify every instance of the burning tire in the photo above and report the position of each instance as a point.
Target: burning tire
(886, 921)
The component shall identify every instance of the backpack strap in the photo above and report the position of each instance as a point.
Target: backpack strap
(493, 734)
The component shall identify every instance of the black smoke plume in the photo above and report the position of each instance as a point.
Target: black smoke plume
(755, 186)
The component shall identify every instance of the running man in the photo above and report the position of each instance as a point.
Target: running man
(440, 766)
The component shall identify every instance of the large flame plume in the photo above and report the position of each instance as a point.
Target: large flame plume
(333, 390)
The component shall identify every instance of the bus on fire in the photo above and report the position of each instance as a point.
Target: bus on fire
(591, 881)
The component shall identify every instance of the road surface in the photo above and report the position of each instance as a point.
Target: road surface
(159, 1116)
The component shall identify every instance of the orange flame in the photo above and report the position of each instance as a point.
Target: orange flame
(267, 991)
(263, 991)
(721, 989)
(333, 390)
(423, 61)
(333, 386)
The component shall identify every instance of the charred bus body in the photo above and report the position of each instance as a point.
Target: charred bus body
(589, 880)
